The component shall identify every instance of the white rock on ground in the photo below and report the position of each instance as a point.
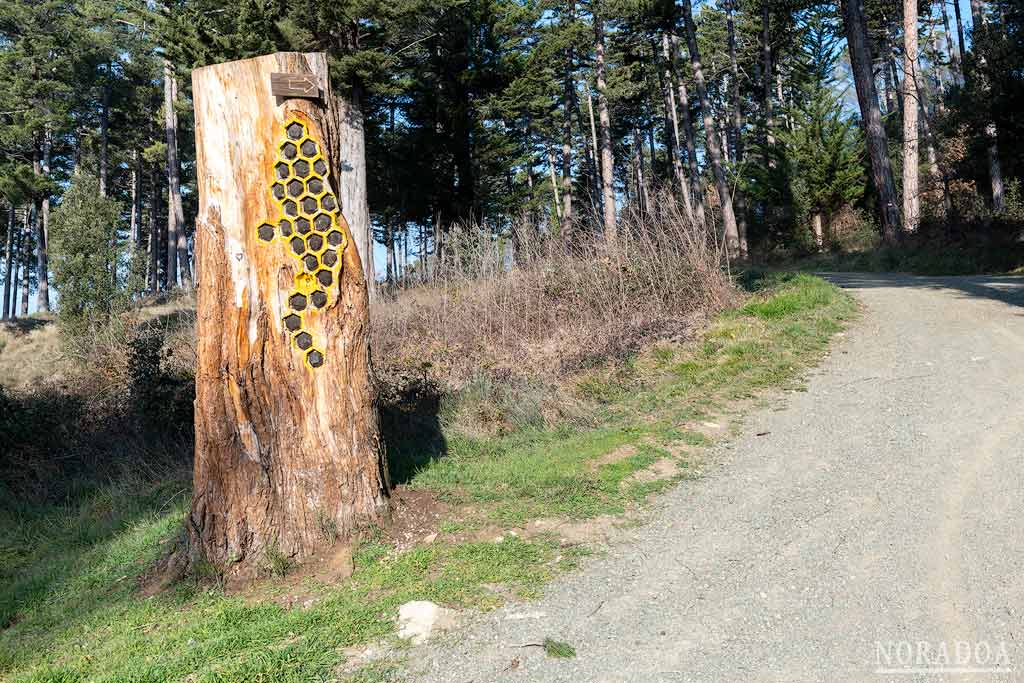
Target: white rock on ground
(420, 619)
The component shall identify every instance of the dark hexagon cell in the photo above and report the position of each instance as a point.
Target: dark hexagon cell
(303, 340)
(322, 222)
(329, 202)
(329, 258)
(315, 242)
(309, 205)
(289, 150)
(335, 238)
(297, 302)
(278, 191)
(301, 168)
(296, 130)
(302, 225)
(309, 148)
(311, 262)
(295, 188)
(325, 277)
(318, 298)
(320, 167)
(285, 226)
(298, 245)
(282, 170)
(315, 185)
(315, 358)
(292, 322)
(291, 208)
(266, 232)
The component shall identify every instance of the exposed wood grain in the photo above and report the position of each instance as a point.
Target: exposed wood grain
(288, 456)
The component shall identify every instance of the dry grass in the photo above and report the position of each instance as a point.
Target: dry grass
(560, 306)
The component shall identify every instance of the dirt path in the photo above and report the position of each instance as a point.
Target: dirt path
(882, 508)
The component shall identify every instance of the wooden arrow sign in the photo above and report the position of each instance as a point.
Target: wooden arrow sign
(294, 85)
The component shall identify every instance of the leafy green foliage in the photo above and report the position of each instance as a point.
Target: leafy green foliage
(86, 255)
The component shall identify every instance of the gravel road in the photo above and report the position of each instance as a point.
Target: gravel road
(877, 524)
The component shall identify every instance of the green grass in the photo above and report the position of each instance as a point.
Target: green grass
(70, 611)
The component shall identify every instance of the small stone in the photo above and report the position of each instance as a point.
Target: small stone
(430, 538)
(420, 619)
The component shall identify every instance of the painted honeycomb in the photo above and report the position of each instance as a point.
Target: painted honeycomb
(308, 228)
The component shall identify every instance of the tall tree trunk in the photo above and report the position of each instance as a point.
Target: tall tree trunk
(737, 130)
(26, 257)
(674, 147)
(593, 182)
(911, 102)
(766, 65)
(352, 192)
(595, 154)
(15, 273)
(954, 55)
(154, 230)
(104, 161)
(40, 225)
(689, 137)
(959, 29)
(732, 240)
(177, 250)
(288, 456)
(136, 199)
(8, 264)
(995, 171)
(554, 185)
(867, 98)
(567, 157)
(607, 160)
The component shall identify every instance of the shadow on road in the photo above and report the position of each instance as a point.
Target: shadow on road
(1008, 289)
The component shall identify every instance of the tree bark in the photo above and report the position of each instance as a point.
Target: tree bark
(352, 192)
(26, 256)
(995, 171)
(729, 229)
(177, 242)
(766, 65)
(911, 102)
(737, 130)
(689, 137)
(604, 119)
(288, 456)
(554, 185)
(675, 148)
(959, 28)
(567, 157)
(867, 98)
(154, 231)
(40, 225)
(954, 55)
(104, 161)
(594, 153)
(8, 263)
(14, 273)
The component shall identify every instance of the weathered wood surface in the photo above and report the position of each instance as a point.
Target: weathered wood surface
(294, 85)
(288, 456)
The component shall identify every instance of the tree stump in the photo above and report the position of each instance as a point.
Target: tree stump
(288, 456)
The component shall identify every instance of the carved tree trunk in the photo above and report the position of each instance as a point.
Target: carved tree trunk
(288, 456)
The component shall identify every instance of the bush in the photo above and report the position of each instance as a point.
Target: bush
(500, 335)
(86, 257)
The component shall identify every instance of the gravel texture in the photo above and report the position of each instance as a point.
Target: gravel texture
(881, 508)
